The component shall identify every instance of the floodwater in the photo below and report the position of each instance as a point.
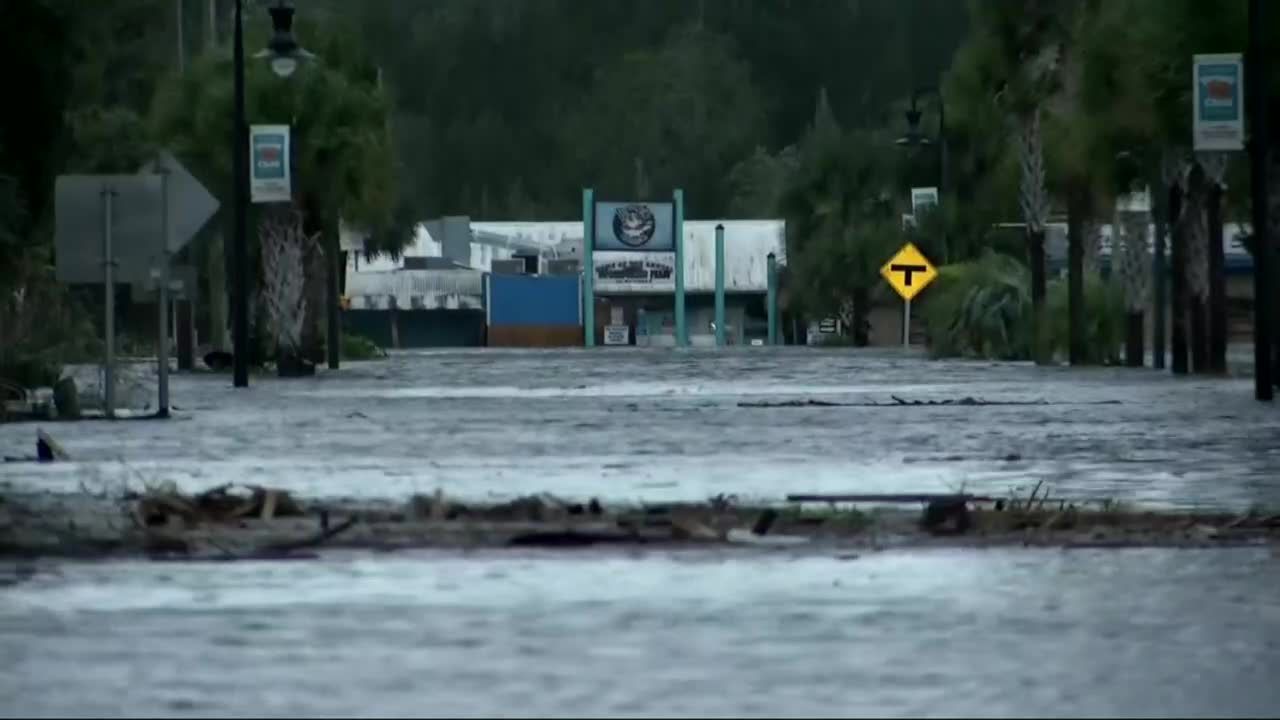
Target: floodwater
(662, 425)
(1008, 633)
(934, 633)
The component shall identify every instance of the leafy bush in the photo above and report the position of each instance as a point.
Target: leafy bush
(359, 347)
(1104, 321)
(30, 372)
(980, 308)
(41, 326)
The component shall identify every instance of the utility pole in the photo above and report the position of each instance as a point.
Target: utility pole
(1256, 80)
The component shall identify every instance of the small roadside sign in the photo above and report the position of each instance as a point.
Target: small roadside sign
(617, 335)
(908, 272)
(1218, 89)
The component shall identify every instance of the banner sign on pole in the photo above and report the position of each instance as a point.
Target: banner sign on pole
(269, 177)
(1218, 88)
(635, 227)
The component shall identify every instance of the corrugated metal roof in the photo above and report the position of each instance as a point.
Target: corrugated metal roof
(415, 289)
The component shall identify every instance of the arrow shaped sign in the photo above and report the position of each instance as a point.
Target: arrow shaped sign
(190, 204)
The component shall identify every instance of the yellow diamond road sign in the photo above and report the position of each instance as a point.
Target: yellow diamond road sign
(908, 271)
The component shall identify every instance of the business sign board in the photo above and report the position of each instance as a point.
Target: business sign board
(922, 198)
(1218, 87)
(269, 177)
(635, 227)
(183, 285)
(625, 271)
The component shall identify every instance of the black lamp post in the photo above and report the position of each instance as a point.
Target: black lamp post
(1256, 87)
(284, 54)
(915, 138)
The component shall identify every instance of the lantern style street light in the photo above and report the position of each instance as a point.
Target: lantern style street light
(915, 137)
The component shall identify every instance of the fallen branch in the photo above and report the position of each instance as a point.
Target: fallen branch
(900, 402)
(318, 539)
(890, 498)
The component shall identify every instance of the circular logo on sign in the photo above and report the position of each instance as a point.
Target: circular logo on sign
(633, 225)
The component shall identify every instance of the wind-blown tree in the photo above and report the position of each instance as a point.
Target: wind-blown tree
(1098, 148)
(1114, 107)
(343, 160)
(841, 219)
(1162, 39)
(1020, 48)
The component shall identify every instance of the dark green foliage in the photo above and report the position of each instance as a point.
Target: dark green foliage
(359, 347)
(1104, 331)
(980, 308)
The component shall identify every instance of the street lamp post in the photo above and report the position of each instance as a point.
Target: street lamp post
(1256, 87)
(914, 137)
(283, 53)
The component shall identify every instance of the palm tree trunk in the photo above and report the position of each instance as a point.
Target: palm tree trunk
(1134, 352)
(1035, 253)
(1131, 262)
(1217, 284)
(1196, 307)
(1196, 265)
(1034, 202)
(1075, 276)
(1159, 276)
(1178, 282)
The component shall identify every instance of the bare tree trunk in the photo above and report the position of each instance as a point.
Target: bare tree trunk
(1215, 168)
(1178, 283)
(1076, 212)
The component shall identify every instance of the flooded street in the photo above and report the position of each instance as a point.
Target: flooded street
(665, 425)
(700, 632)
(941, 633)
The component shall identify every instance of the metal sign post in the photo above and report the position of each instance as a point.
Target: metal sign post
(162, 300)
(906, 323)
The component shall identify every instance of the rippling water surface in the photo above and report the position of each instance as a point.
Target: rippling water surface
(939, 633)
(666, 425)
